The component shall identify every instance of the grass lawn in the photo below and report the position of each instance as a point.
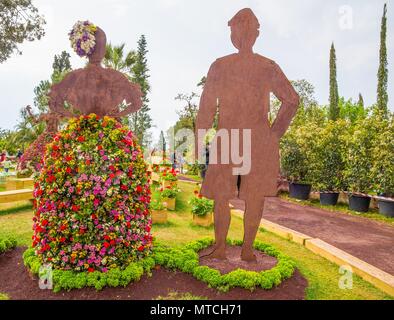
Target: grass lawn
(341, 207)
(322, 275)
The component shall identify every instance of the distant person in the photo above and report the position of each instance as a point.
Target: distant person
(19, 154)
(7, 165)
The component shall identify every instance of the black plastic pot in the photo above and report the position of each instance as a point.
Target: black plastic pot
(359, 203)
(300, 191)
(329, 199)
(386, 208)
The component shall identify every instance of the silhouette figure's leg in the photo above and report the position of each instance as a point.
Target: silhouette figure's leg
(252, 217)
(222, 217)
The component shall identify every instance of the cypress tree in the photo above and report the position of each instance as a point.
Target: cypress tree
(360, 102)
(141, 121)
(334, 96)
(382, 100)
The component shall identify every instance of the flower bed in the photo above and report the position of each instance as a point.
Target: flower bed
(184, 259)
(92, 198)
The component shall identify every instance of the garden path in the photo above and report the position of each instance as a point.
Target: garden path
(368, 240)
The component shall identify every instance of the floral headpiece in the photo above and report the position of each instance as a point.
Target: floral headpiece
(82, 38)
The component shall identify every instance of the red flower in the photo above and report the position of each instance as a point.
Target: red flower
(90, 270)
(88, 162)
(112, 175)
(94, 217)
(44, 222)
(123, 187)
(68, 170)
(100, 147)
(68, 158)
(75, 208)
(141, 248)
(200, 196)
(112, 242)
(112, 168)
(106, 244)
(62, 239)
(81, 139)
(55, 147)
(139, 189)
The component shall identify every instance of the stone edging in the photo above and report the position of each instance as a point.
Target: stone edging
(379, 278)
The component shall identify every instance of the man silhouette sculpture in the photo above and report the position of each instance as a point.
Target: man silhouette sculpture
(238, 87)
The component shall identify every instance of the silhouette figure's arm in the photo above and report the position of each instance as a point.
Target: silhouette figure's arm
(58, 95)
(133, 97)
(208, 106)
(285, 92)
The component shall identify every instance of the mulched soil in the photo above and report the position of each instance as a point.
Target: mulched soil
(18, 284)
(368, 240)
(233, 262)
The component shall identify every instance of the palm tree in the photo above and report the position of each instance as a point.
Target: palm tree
(116, 59)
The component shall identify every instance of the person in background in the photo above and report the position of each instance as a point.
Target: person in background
(3, 156)
(7, 164)
(19, 154)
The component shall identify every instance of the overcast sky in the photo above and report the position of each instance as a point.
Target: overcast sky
(185, 37)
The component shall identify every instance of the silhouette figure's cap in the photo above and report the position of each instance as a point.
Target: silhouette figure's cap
(245, 17)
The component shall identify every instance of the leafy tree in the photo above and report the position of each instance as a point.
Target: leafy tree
(334, 111)
(141, 121)
(352, 111)
(19, 21)
(187, 115)
(116, 58)
(383, 71)
(162, 144)
(360, 101)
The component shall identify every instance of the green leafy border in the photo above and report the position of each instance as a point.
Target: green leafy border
(7, 244)
(184, 259)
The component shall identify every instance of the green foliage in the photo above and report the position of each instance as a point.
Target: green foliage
(201, 206)
(334, 96)
(359, 161)
(173, 295)
(382, 171)
(169, 193)
(382, 99)
(184, 259)
(329, 156)
(6, 244)
(352, 111)
(298, 151)
(19, 21)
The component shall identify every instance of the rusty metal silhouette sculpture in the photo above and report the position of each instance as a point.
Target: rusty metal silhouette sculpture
(95, 89)
(51, 119)
(238, 87)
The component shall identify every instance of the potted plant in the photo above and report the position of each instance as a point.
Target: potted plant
(383, 166)
(359, 164)
(296, 159)
(168, 197)
(329, 161)
(169, 178)
(202, 210)
(158, 212)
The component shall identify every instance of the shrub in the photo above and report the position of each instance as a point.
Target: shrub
(297, 153)
(169, 192)
(7, 244)
(92, 198)
(329, 156)
(169, 175)
(382, 172)
(359, 160)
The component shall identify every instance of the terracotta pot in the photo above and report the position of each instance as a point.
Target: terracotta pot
(203, 221)
(169, 203)
(159, 216)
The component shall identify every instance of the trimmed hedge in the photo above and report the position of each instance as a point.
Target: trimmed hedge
(184, 259)
(7, 244)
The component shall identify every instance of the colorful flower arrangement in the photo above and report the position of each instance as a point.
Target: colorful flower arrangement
(92, 198)
(169, 175)
(201, 206)
(32, 158)
(82, 38)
